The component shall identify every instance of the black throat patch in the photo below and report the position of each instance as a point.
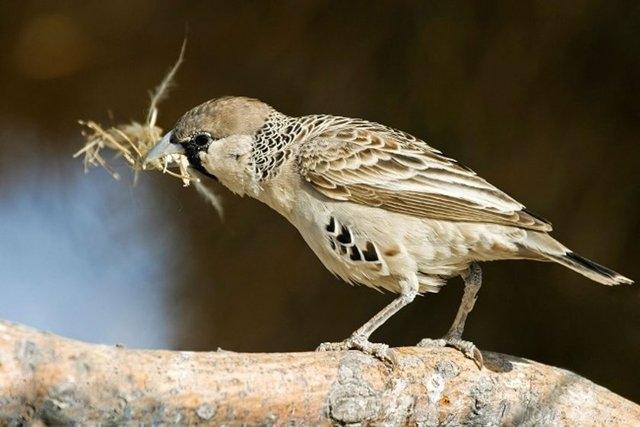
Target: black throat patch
(192, 151)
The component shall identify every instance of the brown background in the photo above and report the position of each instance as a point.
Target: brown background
(540, 98)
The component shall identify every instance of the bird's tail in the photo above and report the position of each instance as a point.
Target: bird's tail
(590, 269)
(547, 248)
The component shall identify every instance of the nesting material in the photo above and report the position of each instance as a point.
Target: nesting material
(133, 141)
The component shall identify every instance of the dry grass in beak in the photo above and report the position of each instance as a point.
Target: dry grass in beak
(132, 142)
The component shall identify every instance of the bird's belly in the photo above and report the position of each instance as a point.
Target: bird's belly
(368, 246)
(378, 248)
(348, 261)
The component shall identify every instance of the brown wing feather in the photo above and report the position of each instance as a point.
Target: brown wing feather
(374, 165)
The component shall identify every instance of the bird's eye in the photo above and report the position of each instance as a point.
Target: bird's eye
(202, 139)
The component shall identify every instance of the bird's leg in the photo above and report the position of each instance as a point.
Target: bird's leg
(472, 282)
(359, 340)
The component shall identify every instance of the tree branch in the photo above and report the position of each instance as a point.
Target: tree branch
(55, 380)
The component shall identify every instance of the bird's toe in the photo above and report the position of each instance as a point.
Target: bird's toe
(467, 348)
(430, 342)
(357, 342)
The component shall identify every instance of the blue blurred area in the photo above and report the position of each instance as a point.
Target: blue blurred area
(80, 256)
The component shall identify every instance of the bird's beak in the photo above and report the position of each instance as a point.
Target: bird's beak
(163, 148)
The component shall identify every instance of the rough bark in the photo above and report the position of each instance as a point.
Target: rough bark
(47, 378)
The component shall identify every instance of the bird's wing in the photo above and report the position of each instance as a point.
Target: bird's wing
(373, 165)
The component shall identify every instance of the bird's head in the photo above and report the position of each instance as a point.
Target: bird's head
(217, 137)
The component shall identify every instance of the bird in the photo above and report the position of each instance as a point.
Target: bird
(378, 206)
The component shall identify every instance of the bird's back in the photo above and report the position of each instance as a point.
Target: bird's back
(369, 163)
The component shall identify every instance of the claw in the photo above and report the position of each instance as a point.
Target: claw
(380, 351)
(467, 348)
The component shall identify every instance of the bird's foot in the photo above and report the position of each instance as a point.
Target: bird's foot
(358, 342)
(467, 348)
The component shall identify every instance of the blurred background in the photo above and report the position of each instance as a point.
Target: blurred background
(540, 98)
